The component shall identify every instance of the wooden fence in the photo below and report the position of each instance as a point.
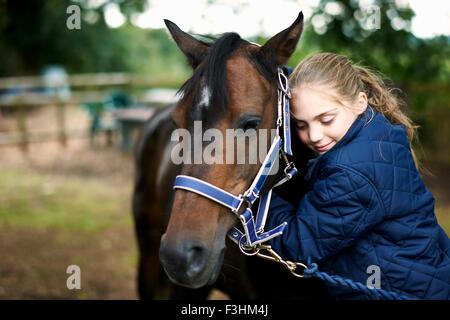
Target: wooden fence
(84, 88)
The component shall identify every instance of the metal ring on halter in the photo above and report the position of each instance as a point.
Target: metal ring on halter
(284, 83)
(292, 267)
(245, 251)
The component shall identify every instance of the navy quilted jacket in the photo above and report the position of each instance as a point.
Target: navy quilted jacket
(367, 206)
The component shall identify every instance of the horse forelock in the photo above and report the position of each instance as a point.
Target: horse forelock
(205, 96)
(208, 85)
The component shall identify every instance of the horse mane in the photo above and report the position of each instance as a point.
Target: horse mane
(212, 71)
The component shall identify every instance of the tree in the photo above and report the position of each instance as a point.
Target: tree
(378, 34)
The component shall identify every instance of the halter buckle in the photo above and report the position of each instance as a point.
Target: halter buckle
(249, 197)
(243, 197)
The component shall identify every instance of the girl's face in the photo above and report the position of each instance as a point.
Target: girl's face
(320, 120)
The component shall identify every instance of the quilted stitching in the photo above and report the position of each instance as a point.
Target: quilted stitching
(368, 206)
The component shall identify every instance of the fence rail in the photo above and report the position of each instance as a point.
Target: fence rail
(86, 80)
(18, 139)
(19, 94)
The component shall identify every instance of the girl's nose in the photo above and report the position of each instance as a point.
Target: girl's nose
(315, 134)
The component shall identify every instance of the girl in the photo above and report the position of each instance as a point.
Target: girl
(366, 208)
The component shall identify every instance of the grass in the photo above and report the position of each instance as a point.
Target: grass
(39, 200)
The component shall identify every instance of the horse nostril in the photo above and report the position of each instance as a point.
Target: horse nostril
(184, 262)
(195, 258)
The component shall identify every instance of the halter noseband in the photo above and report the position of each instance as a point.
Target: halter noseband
(240, 205)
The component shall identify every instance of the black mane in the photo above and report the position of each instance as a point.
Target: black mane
(212, 72)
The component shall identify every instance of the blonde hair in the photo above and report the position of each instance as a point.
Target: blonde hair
(348, 80)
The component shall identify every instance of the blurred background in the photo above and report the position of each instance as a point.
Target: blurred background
(79, 78)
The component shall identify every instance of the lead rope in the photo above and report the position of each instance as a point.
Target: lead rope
(312, 271)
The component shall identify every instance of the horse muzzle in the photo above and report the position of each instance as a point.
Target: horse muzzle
(188, 263)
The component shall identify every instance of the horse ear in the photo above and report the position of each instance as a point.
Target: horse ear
(281, 46)
(195, 50)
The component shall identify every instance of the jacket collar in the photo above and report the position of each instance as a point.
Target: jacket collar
(361, 121)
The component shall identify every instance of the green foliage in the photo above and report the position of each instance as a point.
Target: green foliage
(390, 48)
(34, 34)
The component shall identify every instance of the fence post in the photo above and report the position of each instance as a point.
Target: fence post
(61, 121)
(21, 125)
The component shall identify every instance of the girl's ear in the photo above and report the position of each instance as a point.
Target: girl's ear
(362, 102)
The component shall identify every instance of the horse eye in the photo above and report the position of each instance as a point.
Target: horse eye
(251, 123)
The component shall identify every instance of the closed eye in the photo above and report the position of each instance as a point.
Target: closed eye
(327, 120)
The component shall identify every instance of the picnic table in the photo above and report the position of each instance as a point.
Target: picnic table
(118, 112)
(128, 121)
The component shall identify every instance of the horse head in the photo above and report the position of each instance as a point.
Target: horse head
(233, 87)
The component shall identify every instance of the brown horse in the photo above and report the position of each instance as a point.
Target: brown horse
(234, 85)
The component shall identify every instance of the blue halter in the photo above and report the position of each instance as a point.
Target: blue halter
(240, 205)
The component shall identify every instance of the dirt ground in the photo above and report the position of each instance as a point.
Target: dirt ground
(33, 261)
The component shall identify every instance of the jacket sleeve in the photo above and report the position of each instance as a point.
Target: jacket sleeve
(341, 207)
